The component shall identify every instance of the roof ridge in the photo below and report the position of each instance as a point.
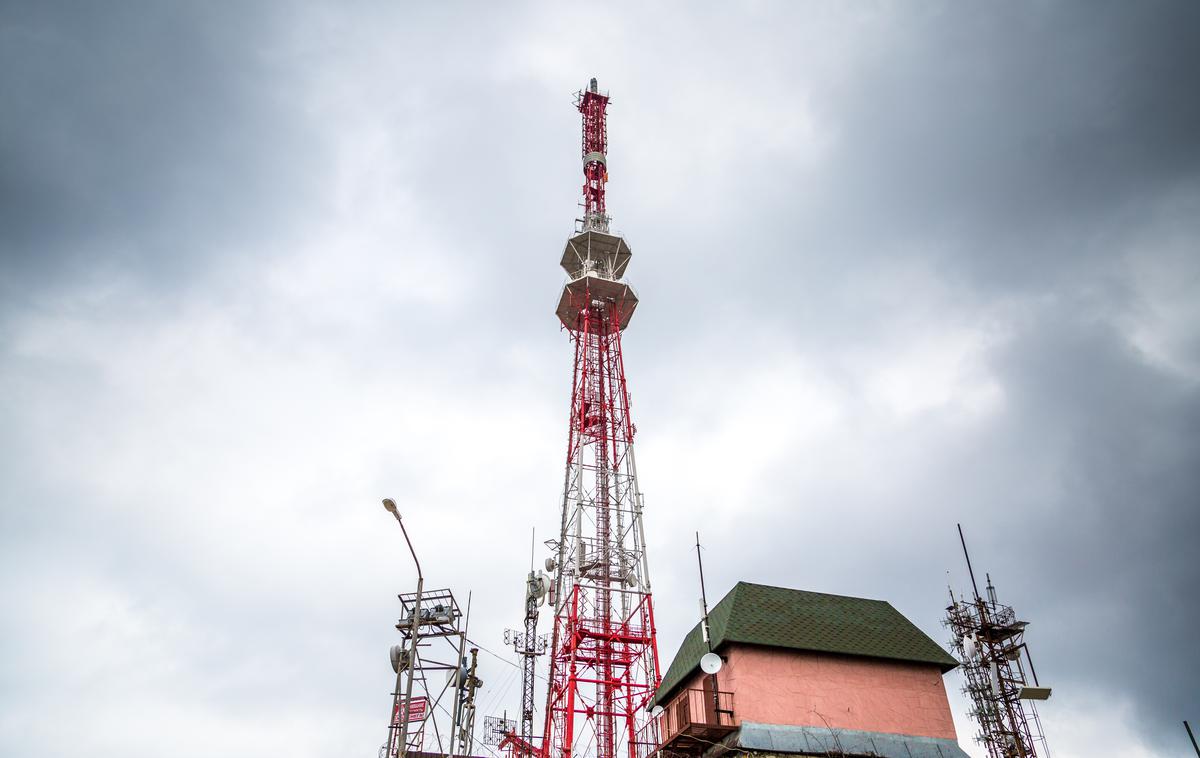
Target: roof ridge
(807, 592)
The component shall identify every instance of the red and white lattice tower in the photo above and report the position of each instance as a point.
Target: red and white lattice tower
(604, 658)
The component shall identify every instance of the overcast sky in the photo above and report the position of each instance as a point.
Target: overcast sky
(901, 266)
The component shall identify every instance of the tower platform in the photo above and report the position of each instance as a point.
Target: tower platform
(601, 252)
(591, 290)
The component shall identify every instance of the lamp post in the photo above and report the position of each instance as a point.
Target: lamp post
(390, 506)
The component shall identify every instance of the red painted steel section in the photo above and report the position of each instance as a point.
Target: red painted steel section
(594, 106)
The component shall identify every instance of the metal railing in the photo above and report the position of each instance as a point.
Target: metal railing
(694, 714)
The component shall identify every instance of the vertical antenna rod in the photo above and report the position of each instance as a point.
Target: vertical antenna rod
(967, 555)
(704, 626)
(703, 596)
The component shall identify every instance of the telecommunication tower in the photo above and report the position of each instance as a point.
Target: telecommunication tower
(604, 657)
(990, 643)
(528, 644)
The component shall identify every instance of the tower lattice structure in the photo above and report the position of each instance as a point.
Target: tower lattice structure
(999, 676)
(604, 658)
(528, 644)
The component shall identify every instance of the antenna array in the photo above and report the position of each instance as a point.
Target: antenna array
(990, 643)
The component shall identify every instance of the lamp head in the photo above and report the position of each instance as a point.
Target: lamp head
(390, 506)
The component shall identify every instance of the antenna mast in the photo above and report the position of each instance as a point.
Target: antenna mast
(703, 597)
(529, 645)
(990, 641)
(604, 656)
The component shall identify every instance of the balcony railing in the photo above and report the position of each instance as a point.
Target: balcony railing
(690, 724)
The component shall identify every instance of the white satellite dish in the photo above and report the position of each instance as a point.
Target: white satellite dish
(995, 677)
(551, 564)
(656, 711)
(710, 663)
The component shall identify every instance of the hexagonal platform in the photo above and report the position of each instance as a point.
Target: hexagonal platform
(606, 254)
(602, 291)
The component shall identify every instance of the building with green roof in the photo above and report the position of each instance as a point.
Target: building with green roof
(807, 673)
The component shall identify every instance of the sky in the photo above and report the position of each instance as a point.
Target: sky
(901, 266)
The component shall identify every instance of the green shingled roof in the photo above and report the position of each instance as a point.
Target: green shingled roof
(755, 614)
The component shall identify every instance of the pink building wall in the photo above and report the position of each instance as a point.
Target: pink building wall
(775, 686)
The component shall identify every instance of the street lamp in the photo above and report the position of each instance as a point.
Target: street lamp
(390, 506)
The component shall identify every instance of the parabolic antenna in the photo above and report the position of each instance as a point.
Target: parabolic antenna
(656, 711)
(710, 663)
(399, 658)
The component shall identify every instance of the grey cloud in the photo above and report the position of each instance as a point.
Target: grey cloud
(143, 137)
(1022, 156)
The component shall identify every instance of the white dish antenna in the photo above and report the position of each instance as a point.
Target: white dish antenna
(995, 677)
(656, 711)
(710, 663)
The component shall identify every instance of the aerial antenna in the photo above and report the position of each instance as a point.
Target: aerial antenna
(604, 650)
(703, 598)
(710, 662)
(967, 555)
(990, 642)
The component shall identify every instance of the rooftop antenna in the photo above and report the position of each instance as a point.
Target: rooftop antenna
(710, 662)
(1192, 737)
(703, 600)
